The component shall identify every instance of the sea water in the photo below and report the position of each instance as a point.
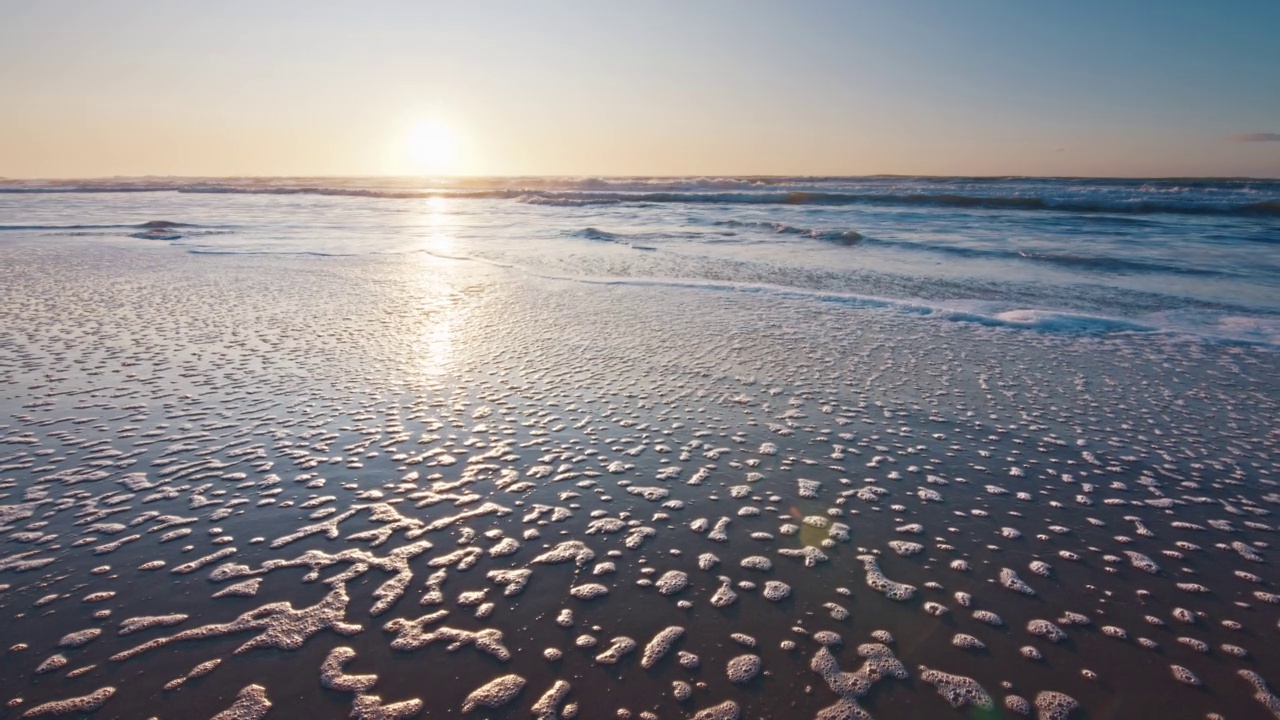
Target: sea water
(1170, 255)
(635, 448)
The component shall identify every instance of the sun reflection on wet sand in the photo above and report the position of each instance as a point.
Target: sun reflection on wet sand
(443, 318)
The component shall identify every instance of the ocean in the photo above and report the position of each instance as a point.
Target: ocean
(709, 448)
(1170, 255)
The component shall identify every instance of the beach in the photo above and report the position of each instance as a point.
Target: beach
(714, 448)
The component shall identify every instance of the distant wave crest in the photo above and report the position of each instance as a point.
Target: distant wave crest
(1239, 197)
(148, 225)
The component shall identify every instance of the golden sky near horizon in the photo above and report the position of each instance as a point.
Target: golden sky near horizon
(570, 88)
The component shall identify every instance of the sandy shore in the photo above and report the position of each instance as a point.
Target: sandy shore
(421, 459)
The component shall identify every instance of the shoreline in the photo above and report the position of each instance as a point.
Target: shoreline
(379, 350)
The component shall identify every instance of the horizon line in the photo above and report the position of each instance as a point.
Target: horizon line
(744, 176)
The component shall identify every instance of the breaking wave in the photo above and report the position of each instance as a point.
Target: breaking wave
(1241, 197)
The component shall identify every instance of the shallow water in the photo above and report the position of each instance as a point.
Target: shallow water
(246, 397)
(1193, 256)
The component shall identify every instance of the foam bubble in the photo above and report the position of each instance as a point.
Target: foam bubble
(370, 707)
(724, 596)
(1053, 705)
(681, 690)
(569, 550)
(545, 707)
(776, 591)
(251, 704)
(1264, 696)
(809, 554)
(988, 617)
(727, 710)
(935, 609)
(410, 636)
(495, 693)
(588, 591)
(877, 581)
(660, 645)
(672, 582)
(1010, 579)
(1046, 630)
(958, 690)
(618, 648)
(83, 704)
(79, 638)
(514, 580)
(838, 612)
(1184, 676)
(827, 638)
(333, 677)
(743, 668)
(1017, 704)
(146, 622)
(904, 548)
(1142, 562)
(52, 663)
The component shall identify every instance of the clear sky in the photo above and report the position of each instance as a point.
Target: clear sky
(690, 87)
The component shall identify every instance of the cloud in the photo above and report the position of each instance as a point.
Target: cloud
(1255, 137)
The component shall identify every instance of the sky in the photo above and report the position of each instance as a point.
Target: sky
(693, 87)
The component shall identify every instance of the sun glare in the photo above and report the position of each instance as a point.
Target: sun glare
(433, 149)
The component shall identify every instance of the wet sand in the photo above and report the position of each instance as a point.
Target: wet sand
(345, 430)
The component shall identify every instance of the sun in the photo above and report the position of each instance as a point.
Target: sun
(433, 149)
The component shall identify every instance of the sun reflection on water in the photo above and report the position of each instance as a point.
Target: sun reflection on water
(433, 224)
